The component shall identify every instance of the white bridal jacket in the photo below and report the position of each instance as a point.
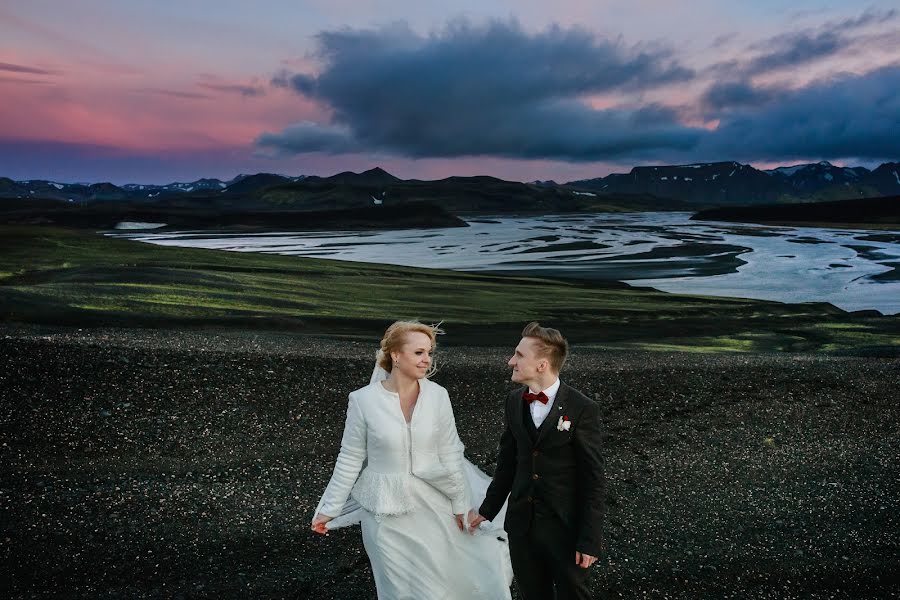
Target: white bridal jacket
(380, 453)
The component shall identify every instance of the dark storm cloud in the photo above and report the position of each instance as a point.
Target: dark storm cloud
(848, 116)
(734, 94)
(498, 91)
(303, 84)
(310, 137)
(483, 90)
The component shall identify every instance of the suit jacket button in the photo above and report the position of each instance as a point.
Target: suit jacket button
(529, 499)
(535, 476)
(535, 453)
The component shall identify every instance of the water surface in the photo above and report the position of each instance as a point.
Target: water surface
(852, 269)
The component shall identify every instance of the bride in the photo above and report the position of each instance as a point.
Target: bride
(401, 474)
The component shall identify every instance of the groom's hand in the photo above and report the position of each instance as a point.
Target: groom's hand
(475, 521)
(584, 560)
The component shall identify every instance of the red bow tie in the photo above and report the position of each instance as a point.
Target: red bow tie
(541, 397)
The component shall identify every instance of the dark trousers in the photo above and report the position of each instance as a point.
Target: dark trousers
(543, 561)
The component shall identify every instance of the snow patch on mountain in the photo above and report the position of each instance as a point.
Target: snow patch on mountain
(790, 170)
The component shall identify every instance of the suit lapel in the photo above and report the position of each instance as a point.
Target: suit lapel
(517, 411)
(558, 410)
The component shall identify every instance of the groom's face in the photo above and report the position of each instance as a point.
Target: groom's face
(525, 362)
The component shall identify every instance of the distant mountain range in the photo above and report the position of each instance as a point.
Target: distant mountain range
(457, 195)
(89, 192)
(344, 191)
(731, 183)
(672, 187)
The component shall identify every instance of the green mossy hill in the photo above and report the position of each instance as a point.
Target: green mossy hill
(62, 277)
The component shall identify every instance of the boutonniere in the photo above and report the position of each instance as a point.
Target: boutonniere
(563, 424)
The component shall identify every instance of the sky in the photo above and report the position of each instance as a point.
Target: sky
(158, 91)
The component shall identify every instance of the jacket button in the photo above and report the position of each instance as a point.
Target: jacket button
(535, 453)
(529, 499)
(535, 476)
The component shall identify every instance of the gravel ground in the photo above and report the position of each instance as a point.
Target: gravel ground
(154, 464)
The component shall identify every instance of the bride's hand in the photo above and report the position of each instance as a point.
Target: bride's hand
(460, 522)
(470, 516)
(318, 523)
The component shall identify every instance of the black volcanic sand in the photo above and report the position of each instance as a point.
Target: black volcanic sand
(147, 464)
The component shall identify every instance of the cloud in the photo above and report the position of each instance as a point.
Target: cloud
(795, 49)
(844, 116)
(731, 94)
(11, 68)
(869, 17)
(497, 91)
(19, 81)
(790, 50)
(174, 93)
(235, 88)
(482, 90)
(309, 137)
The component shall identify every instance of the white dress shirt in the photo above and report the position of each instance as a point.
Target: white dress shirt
(539, 411)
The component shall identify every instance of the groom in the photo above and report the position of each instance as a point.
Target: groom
(551, 467)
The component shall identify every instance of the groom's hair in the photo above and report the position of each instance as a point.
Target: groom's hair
(551, 344)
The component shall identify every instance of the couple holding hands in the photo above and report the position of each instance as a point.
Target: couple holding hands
(433, 525)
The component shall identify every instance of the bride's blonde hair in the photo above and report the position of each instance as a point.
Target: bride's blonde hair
(395, 337)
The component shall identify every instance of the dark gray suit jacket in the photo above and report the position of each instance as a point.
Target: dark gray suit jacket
(562, 469)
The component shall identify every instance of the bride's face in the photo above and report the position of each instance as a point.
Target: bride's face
(414, 357)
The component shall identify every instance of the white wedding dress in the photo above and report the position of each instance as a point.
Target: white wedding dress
(403, 483)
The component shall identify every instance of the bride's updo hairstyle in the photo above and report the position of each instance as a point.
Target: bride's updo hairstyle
(395, 337)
